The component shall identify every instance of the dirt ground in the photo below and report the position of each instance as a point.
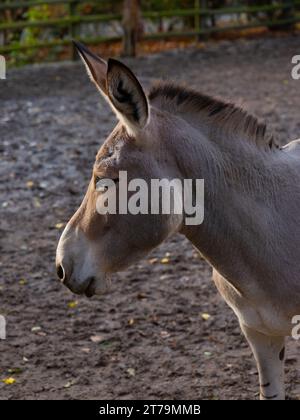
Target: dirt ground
(147, 339)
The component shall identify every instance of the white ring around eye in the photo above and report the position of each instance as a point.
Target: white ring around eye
(110, 151)
(103, 185)
(101, 189)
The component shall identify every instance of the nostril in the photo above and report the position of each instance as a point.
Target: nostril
(60, 273)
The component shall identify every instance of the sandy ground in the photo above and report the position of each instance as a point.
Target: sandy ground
(147, 338)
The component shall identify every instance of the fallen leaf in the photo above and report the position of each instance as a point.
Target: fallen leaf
(59, 226)
(165, 261)
(153, 261)
(97, 338)
(37, 203)
(29, 184)
(22, 282)
(73, 304)
(131, 372)
(36, 329)
(165, 334)
(69, 384)
(9, 381)
(131, 322)
(205, 317)
(16, 371)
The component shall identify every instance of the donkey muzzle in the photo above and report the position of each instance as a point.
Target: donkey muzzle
(76, 268)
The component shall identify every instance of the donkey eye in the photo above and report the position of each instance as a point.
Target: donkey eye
(100, 186)
(110, 152)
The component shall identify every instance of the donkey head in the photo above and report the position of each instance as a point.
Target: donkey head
(95, 244)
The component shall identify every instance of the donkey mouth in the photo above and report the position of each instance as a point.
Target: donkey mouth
(91, 289)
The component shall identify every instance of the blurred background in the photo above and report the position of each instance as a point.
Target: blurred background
(162, 332)
(37, 30)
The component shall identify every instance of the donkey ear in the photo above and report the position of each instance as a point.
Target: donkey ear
(96, 67)
(127, 95)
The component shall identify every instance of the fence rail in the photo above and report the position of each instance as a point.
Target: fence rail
(198, 13)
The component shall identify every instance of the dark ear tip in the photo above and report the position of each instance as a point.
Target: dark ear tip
(80, 47)
(85, 52)
(112, 63)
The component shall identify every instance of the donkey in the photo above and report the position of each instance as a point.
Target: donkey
(251, 231)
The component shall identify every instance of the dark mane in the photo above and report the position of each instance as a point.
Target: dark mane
(175, 98)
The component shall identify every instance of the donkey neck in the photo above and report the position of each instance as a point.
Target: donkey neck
(240, 197)
(245, 177)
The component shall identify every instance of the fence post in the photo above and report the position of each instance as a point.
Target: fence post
(200, 19)
(197, 19)
(131, 25)
(290, 11)
(287, 12)
(73, 34)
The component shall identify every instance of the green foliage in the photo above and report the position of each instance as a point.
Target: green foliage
(36, 13)
(32, 35)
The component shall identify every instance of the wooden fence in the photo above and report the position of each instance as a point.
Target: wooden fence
(198, 15)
